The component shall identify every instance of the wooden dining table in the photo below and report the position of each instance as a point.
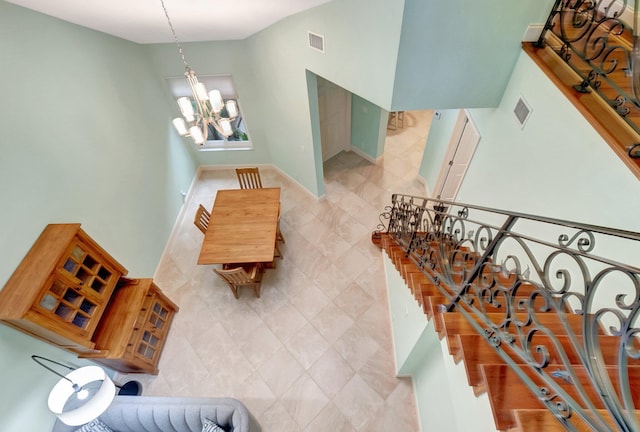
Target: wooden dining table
(242, 227)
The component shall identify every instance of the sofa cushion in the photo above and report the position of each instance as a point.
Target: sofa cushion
(211, 426)
(94, 426)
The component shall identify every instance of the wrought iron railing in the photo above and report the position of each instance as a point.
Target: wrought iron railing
(507, 272)
(592, 38)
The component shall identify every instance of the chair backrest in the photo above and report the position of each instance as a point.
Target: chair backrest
(202, 218)
(249, 178)
(235, 276)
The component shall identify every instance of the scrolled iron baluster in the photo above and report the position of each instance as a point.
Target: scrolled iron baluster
(565, 52)
(463, 213)
(580, 16)
(482, 238)
(635, 54)
(385, 215)
(619, 105)
(634, 151)
(623, 326)
(608, 63)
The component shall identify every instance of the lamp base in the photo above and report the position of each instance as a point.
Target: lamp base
(130, 388)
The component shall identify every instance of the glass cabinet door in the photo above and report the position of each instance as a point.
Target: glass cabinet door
(83, 266)
(66, 302)
(148, 340)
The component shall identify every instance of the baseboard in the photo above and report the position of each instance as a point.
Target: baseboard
(178, 220)
(533, 32)
(426, 186)
(363, 155)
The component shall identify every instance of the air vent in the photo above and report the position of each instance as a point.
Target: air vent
(522, 111)
(316, 42)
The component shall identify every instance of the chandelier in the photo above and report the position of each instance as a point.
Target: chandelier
(206, 109)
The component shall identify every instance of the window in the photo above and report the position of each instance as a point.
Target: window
(215, 141)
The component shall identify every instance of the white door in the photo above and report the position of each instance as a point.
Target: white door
(464, 139)
(334, 106)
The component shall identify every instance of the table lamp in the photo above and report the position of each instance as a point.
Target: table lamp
(81, 395)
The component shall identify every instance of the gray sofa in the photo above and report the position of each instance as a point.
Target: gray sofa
(169, 414)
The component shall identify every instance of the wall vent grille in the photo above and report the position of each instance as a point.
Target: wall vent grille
(316, 41)
(522, 111)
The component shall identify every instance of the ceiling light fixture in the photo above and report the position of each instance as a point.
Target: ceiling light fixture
(210, 108)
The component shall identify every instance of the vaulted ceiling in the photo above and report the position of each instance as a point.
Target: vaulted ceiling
(144, 21)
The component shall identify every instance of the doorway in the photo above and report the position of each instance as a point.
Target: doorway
(334, 106)
(463, 143)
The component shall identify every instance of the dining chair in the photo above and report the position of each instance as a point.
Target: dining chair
(249, 275)
(249, 178)
(202, 219)
(279, 237)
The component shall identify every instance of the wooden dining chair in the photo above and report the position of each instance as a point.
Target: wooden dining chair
(249, 275)
(249, 178)
(279, 237)
(202, 219)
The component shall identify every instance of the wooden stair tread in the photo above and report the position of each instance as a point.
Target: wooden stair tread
(475, 351)
(544, 420)
(455, 323)
(507, 392)
(513, 404)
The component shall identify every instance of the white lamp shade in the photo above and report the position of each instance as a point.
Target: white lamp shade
(216, 100)
(186, 108)
(180, 126)
(232, 108)
(95, 405)
(225, 124)
(196, 135)
(201, 92)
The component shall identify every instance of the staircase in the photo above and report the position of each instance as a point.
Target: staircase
(544, 327)
(587, 50)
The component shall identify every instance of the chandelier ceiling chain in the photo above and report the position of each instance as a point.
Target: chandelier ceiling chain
(173, 32)
(210, 108)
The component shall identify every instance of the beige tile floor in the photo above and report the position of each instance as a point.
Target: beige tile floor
(314, 353)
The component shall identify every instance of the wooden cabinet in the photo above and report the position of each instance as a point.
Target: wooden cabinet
(70, 292)
(61, 288)
(132, 333)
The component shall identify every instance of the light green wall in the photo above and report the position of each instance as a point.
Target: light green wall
(358, 34)
(367, 134)
(85, 137)
(437, 142)
(314, 120)
(270, 73)
(558, 166)
(460, 53)
(408, 320)
(214, 58)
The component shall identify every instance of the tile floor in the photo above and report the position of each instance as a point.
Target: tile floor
(314, 353)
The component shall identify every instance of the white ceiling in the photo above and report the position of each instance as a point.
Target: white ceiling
(144, 21)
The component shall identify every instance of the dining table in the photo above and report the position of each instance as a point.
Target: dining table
(242, 227)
